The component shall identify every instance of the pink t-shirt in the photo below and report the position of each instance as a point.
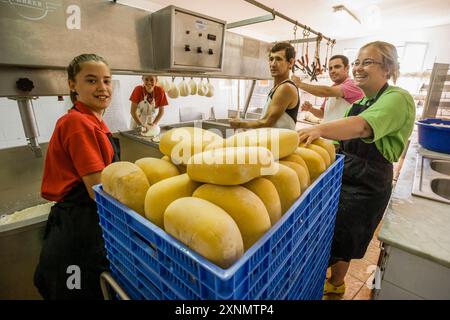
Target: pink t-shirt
(350, 90)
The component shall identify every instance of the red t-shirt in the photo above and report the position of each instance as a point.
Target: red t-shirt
(79, 146)
(160, 96)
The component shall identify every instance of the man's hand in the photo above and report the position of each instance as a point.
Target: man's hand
(235, 123)
(309, 135)
(297, 80)
(306, 106)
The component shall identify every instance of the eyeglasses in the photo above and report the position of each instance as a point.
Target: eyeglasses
(365, 63)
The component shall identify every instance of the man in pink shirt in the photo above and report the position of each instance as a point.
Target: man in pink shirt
(340, 96)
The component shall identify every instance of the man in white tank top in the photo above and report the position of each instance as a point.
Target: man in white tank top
(339, 96)
(280, 110)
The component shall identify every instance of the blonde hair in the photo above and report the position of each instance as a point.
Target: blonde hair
(390, 57)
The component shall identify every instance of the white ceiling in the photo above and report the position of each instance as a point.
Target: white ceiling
(376, 15)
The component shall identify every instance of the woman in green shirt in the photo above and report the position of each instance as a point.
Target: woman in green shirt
(372, 136)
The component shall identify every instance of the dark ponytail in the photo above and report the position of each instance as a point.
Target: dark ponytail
(75, 66)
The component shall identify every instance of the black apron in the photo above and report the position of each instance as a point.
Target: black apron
(365, 193)
(73, 237)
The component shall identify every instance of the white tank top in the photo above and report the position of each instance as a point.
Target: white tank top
(335, 108)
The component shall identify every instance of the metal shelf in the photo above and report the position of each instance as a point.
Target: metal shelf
(437, 101)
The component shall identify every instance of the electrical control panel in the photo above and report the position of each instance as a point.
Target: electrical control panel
(183, 40)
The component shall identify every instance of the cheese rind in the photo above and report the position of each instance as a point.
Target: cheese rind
(163, 193)
(302, 174)
(321, 151)
(157, 169)
(287, 184)
(182, 143)
(267, 192)
(205, 228)
(230, 166)
(327, 146)
(281, 142)
(245, 207)
(127, 183)
(316, 164)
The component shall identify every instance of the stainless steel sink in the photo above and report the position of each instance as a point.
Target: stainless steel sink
(218, 124)
(441, 187)
(224, 121)
(441, 166)
(432, 179)
(194, 123)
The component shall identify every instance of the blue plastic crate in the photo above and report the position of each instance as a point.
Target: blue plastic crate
(288, 262)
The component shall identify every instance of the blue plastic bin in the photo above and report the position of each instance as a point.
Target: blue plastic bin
(288, 262)
(433, 137)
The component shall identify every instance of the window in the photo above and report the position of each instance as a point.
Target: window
(412, 56)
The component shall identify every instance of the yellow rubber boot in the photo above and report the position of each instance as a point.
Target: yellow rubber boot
(329, 288)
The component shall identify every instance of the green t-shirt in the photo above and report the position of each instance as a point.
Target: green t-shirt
(391, 118)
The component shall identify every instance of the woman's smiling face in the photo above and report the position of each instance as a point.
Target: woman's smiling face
(149, 83)
(93, 85)
(369, 71)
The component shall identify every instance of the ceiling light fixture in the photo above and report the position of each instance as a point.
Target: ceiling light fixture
(341, 9)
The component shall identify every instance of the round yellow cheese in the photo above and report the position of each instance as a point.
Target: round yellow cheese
(281, 142)
(287, 184)
(316, 164)
(230, 166)
(163, 193)
(302, 173)
(327, 145)
(245, 207)
(182, 143)
(127, 183)
(157, 169)
(267, 192)
(321, 151)
(205, 228)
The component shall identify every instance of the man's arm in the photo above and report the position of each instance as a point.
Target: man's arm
(307, 106)
(318, 90)
(283, 97)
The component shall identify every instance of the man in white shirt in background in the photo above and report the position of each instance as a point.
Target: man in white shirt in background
(339, 96)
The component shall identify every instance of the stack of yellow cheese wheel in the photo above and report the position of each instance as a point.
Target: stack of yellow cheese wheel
(219, 196)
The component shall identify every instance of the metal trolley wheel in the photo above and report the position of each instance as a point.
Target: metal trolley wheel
(109, 286)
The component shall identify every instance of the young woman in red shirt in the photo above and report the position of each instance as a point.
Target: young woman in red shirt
(145, 99)
(80, 147)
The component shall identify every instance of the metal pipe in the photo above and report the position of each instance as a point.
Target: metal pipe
(274, 12)
(105, 280)
(299, 40)
(29, 123)
(249, 97)
(247, 22)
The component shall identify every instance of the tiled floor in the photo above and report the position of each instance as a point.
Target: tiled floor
(358, 280)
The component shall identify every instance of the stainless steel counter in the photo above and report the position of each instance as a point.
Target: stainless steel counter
(414, 224)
